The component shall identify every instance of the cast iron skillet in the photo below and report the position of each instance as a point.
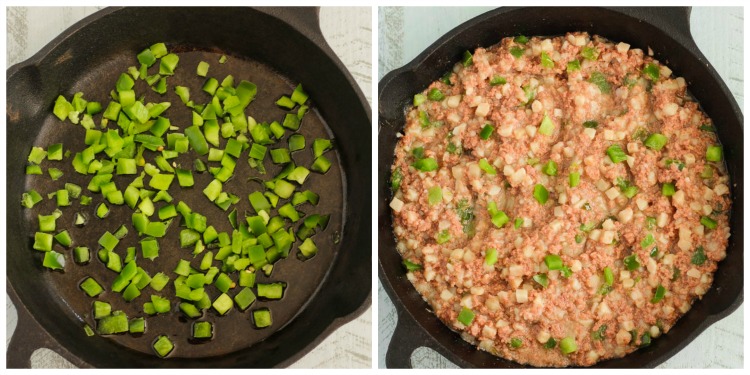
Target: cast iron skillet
(274, 48)
(666, 31)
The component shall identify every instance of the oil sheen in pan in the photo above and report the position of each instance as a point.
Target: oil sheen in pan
(234, 331)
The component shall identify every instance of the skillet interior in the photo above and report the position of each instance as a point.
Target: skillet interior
(671, 44)
(92, 58)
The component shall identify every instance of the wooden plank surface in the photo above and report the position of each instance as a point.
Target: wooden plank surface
(403, 33)
(347, 30)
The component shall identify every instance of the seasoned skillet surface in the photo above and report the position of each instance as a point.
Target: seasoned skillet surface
(303, 278)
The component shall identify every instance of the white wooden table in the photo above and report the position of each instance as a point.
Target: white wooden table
(347, 30)
(405, 32)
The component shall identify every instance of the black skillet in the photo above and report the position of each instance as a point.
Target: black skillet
(274, 48)
(667, 32)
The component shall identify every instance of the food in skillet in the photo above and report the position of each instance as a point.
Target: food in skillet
(130, 150)
(559, 201)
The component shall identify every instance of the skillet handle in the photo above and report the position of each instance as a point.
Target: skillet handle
(407, 337)
(27, 338)
(674, 20)
(304, 19)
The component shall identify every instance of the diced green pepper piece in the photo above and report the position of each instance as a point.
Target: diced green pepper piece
(631, 262)
(658, 294)
(150, 249)
(33, 169)
(322, 165)
(47, 223)
(541, 194)
(487, 167)
(146, 57)
(308, 248)
(553, 262)
(222, 304)
(466, 316)
(320, 146)
(299, 96)
(655, 141)
(285, 102)
(113, 260)
(210, 86)
(63, 238)
(168, 64)
(202, 69)
(137, 325)
(600, 80)
(161, 181)
(262, 318)
(163, 346)
(616, 154)
(668, 189)
(62, 108)
(158, 50)
(112, 324)
(30, 198)
(546, 60)
(298, 174)
(247, 278)
(55, 152)
(202, 330)
(54, 260)
(705, 221)
(81, 255)
(490, 257)
(213, 190)
(190, 310)
(197, 140)
(568, 345)
(296, 142)
(289, 212)
(43, 241)
(714, 153)
(283, 189)
(271, 291)
(244, 298)
(126, 166)
(124, 82)
(91, 287)
(102, 211)
(131, 292)
(36, 155)
(89, 331)
(161, 305)
(550, 169)
(223, 282)
(108, 241)
(185, 177)
(188, 237)
(183, 268)
(280, 155)
(159, 281)
(102, 309)
(547, 126)
(651, 71)
(574, 178)
(127, 274)
(258, 151)
(291, 121)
